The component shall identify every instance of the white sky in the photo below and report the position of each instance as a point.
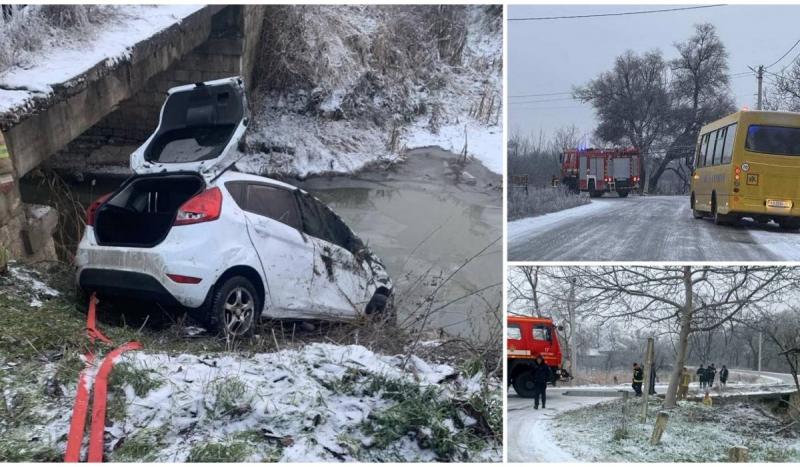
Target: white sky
(552, 56)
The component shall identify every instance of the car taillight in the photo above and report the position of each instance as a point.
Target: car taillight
(202, 208)
(91, 213)
(184, 279)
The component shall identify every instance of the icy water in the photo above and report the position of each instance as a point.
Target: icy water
(424, 220)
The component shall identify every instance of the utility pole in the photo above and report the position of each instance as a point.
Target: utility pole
(648, 368)
(760, 338)
(573, 352)
(760, 78)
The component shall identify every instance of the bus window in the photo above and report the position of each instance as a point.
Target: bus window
(541, 333)
(710, 149)
(703, 148)
(779, 140)
(729, 141)
(513, 332)
(718, 146)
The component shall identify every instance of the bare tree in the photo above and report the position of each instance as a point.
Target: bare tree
(681, 300)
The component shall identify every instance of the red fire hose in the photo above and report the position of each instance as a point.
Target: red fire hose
(100, 383)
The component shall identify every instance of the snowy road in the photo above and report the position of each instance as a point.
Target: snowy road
(644, 229)
(530, 438)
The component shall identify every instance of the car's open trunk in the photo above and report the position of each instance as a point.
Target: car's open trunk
(143, 211)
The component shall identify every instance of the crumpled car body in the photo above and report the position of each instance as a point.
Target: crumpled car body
(189, 230)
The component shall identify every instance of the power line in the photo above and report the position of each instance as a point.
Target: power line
(784, 55)
(627, 13)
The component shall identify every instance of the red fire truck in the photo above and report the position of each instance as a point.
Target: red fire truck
(526, 339)
(601, 171)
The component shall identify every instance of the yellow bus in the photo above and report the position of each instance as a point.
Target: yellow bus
(748, 165)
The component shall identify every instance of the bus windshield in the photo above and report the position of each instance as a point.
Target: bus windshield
(778, 140)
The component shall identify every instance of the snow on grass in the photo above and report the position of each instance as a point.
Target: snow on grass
(27, 283)
(785, 245)
(65, 57)
(322, 402)
(695, 433)
(483, 142)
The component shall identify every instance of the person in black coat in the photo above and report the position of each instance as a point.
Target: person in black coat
(638, 379)
(541, 376)
(723, 376)
(711, 373)
(701, 376)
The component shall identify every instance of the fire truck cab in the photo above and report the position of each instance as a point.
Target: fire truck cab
(599, 171)
(526, 339)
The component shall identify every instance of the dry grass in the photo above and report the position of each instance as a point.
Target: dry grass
(540, 201)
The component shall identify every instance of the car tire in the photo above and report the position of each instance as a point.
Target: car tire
(234, 308)
(381, 307)
(719, 219)
(523, 384)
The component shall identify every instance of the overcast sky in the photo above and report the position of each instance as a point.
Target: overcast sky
(547, 57)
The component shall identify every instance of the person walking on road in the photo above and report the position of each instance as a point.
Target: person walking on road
(638, 379)
(683, 389)
(711, 373)
(701, 376)
(541, 376)
(723, 376)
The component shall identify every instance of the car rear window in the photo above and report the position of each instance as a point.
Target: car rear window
(784, 141)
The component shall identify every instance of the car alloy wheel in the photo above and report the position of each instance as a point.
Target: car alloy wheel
(239, 311)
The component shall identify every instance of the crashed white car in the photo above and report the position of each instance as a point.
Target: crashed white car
(188, 230)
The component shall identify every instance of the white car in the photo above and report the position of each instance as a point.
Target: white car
(188, 230)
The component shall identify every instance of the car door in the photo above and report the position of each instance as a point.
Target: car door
(199, 129)
(286, 255)
(345, 286)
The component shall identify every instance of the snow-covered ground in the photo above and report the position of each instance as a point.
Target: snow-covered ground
(27, 283)
(62, 59)
(318, 403)
(566, 432)
(293, 135)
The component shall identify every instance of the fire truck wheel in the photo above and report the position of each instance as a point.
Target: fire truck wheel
(622, 193)
(595, 194)
(523, 384)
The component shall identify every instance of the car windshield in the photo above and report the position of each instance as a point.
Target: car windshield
(191, 144)
(778, 140)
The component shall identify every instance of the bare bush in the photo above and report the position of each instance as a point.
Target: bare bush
(27, 28)
(538, 201)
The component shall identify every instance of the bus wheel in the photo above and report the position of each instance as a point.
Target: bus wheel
(523, 384)
(622, 193)
(789, 223)
(695, 213)
(719, 219)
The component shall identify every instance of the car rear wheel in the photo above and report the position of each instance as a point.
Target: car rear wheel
(719, 219)
(523, 384)
(381, 307)
(235, 308)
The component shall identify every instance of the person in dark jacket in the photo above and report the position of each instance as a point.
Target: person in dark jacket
(652, 385)
(701, 376)
(711, 373)
(638, 379)
(541, 376)
(723, 376)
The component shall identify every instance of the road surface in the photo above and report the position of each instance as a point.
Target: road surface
(529, 437)
(644, 228)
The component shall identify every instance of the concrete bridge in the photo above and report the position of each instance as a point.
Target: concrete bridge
(109, 109)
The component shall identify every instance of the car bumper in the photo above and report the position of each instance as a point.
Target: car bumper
(142, 272)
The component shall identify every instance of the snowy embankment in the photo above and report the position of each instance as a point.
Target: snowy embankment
(322, 402)
(348, 109)
(580, 428)
(63, 57)
(522, 228)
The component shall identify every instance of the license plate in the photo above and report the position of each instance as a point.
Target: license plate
(779, 203)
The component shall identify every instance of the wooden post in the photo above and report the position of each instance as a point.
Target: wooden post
(661, 424)
(738, 454)
(648, 367)
(625, 411)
